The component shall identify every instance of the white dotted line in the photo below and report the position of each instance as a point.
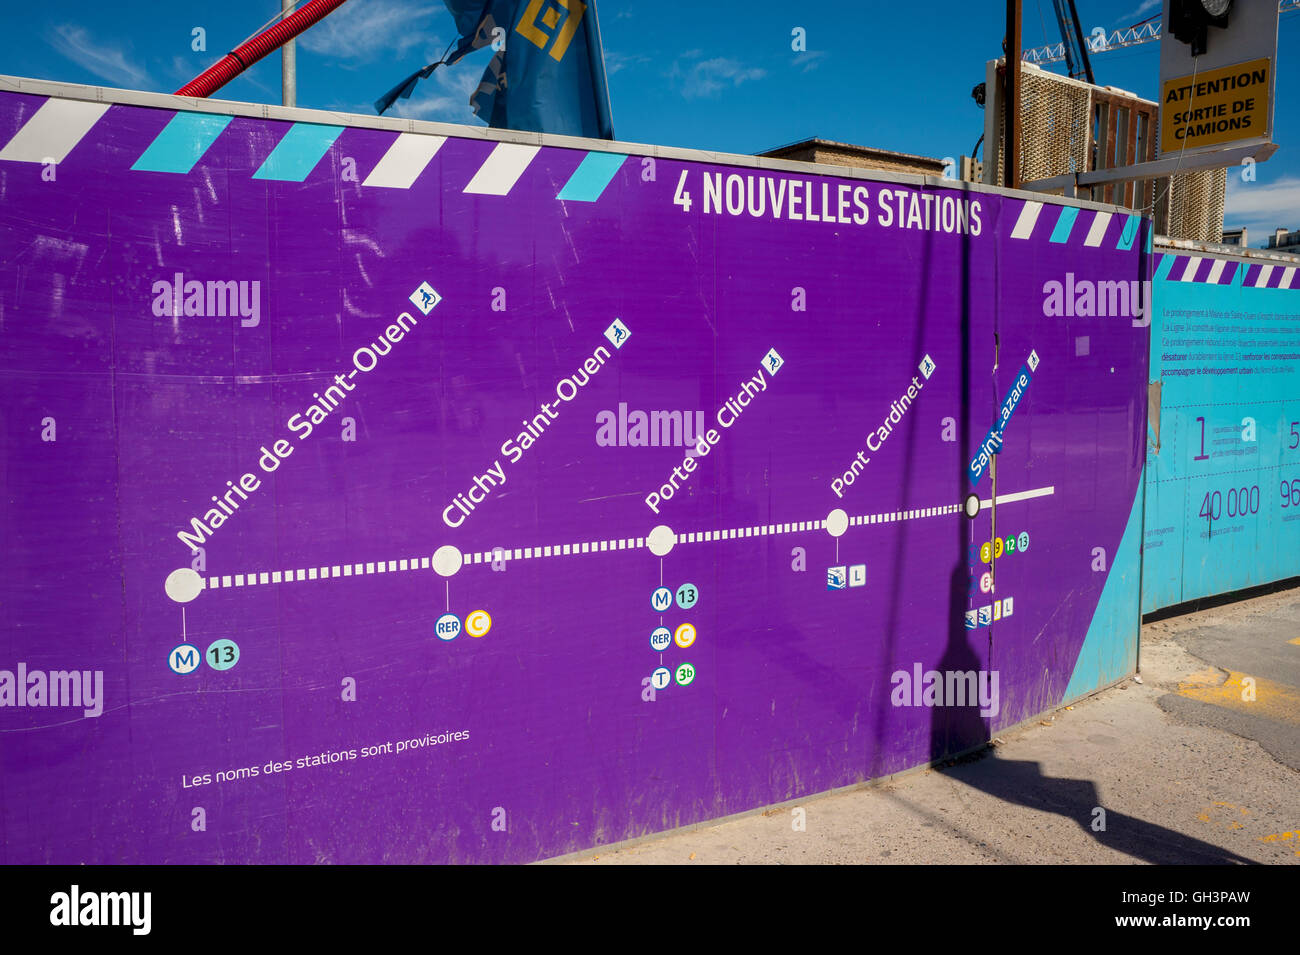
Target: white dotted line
(316, 573)
(555, 550)
(592, 547)
(417, 563)
(797, 527)
(756, 530)
(912, 515)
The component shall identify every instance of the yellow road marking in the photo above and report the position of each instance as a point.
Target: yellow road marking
(1273, 701)
(1204, 814)
(1295, 642)
(1284, 837)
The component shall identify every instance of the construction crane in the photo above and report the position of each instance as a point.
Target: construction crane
(1100, 43)
(1073, 47)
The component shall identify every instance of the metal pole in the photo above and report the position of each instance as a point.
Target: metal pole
(1011, 98)
(254, 48)
(288, 63)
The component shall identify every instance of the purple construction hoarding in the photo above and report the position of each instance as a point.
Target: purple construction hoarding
(398, 497)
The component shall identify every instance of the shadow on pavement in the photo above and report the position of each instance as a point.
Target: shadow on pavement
(1022, 783)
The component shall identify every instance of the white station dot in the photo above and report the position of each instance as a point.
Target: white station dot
(183, 585)
(971, 505)
(661, 540)
(447, 560)
(837, 522)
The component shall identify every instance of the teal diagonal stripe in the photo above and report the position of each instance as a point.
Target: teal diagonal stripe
(298, 153)
(1065, 224)
(182, 143)
(593, 174)
(1129, 235)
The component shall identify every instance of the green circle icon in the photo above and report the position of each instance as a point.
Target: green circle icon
(687, 596)
(685, 674)
(222, 654)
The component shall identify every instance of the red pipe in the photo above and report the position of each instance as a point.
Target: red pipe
(250, 51)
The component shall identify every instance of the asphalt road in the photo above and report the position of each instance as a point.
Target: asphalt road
(1184, 767)
(1257, 640)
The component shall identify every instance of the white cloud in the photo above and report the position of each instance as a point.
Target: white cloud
(614, 62)
(367, 29)
(102, 59)
(810, 60)
(1261, 206)
(1146, 6)
(444, 96)
(710, 77)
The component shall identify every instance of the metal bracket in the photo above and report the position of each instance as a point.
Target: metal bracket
(1258, 150)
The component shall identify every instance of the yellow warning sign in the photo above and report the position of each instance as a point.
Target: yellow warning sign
(1216, 107)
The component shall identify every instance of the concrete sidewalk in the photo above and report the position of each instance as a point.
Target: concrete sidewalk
(1185, 770)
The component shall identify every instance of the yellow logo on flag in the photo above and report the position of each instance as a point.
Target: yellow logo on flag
(544, 24)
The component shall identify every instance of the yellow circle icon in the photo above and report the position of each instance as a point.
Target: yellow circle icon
(478, 623)
(684, 636)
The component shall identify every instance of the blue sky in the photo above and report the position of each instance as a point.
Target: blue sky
(718, 76)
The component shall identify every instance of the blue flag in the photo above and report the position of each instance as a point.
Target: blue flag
(548, 74)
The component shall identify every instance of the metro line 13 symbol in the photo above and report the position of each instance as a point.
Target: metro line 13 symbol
(687, 596)
(222, 654)
(447, 627)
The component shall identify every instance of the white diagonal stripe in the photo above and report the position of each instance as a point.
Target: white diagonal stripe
(1189, 273)
(1025, 224)
(498, 175)
(1287, 275)
(53, 130)
(404, 161)
(1216, 270)
(1098, 230)
(1264, 273)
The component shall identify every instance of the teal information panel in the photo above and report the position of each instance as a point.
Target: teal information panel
(1223, 438)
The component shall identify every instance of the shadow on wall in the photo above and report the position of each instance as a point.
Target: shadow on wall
(955, 729)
